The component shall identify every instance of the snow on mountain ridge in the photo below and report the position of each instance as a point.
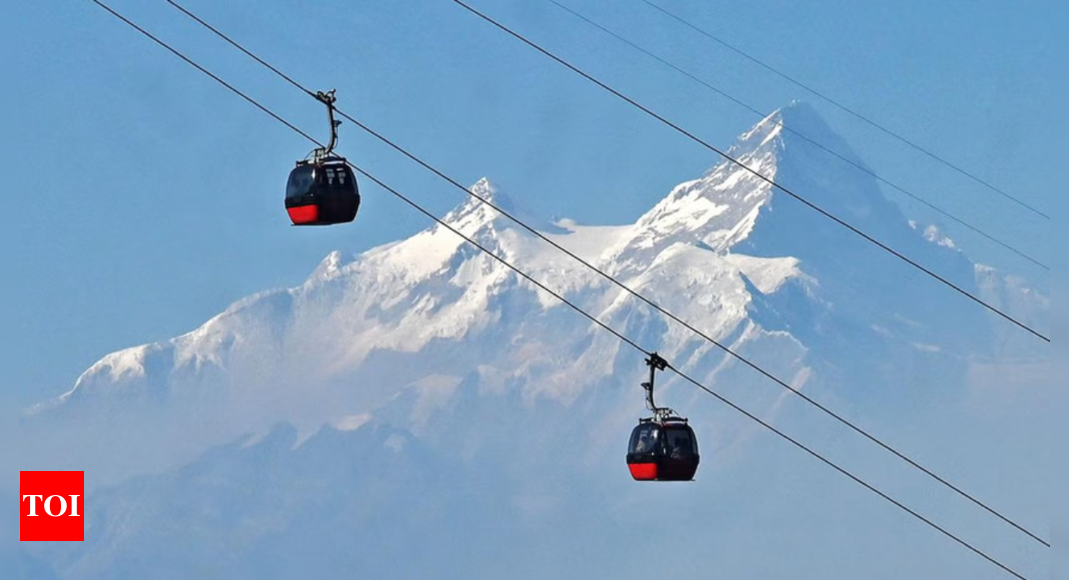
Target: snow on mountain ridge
(472, 215)
(722, 207)
(363, 334)
(475, 214)
(687, 210)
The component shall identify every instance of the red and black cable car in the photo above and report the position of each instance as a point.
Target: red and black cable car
(322, 190)
(662, 447)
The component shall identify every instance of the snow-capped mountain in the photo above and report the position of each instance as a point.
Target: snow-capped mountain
(737, 259)
(429, 346)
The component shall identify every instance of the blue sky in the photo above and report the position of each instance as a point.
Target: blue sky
(153, 196)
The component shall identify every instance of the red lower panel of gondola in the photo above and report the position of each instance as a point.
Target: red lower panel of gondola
(643, 471)
(303, 214)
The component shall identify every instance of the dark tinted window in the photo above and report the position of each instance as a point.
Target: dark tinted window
(643, 439)
(339, 177)
(680, 441)
(301, 182)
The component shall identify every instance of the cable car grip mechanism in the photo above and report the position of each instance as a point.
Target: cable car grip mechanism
(656, 363)
(328, 99)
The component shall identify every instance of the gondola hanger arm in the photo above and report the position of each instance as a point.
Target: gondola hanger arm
(328, 99)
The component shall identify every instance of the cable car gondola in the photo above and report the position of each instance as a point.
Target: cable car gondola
(322, 190)
(662, 447)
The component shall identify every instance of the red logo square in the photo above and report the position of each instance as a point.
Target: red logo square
(53, 506)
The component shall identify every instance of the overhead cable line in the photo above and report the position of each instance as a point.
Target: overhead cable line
(856, 479)
(758, 174)
(572, 305)
(782, 383)
(848, 110)
(784, 126)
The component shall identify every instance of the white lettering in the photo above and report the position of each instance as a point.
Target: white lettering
(33, 503)
(48, 505)
(74, 505)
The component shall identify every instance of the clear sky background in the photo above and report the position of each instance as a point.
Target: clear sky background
(144, 198)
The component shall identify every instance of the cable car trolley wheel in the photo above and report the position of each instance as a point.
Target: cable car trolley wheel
(662, 447)
(322, 188)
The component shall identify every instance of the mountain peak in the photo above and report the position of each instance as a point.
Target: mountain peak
(423, 328)
(799, 114)
(797, 121)
(486, 189)
(489, 192)
(799, 127)
(476, 213)
(735, 202)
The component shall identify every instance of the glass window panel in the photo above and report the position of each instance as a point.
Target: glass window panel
(644, 439)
